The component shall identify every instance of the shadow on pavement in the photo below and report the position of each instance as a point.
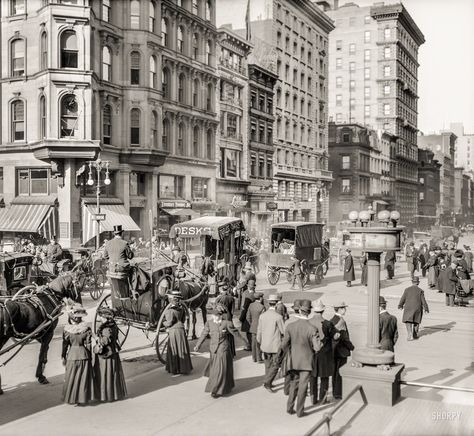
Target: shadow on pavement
(431, 329)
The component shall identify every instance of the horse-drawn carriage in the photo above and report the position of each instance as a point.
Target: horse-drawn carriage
(302, 240)
(15, 272)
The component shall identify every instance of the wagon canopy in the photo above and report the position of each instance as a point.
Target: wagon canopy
(217, 227)
(306, 234)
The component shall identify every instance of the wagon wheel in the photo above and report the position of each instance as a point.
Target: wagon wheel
(325, 266)
(27, 290)
(122, 325)
(306, 277)
(162, 335)
(273, 275)
(97, 284)
(319, 274)
(81, 282)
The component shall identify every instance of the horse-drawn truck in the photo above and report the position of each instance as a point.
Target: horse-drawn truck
(302, 240)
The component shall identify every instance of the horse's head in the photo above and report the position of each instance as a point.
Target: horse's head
(65, 287)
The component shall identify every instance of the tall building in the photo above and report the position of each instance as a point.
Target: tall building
(131, 81)
(232, 137)
(464, 149)
(443, 145)
(428, 189)
(373, 81)
(293, 41)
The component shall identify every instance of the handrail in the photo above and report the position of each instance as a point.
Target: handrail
(326, 419)
(428, 385)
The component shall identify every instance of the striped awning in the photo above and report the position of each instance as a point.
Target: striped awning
(29, 218)
(115, 214)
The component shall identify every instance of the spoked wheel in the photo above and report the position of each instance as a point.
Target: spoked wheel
(306, 276)
(122, 325)
(162, 335)
(27, 290)
(325, 267)
(97, 285)
(319, 274)
(273, 275)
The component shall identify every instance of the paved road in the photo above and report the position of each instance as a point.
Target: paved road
(160, 404)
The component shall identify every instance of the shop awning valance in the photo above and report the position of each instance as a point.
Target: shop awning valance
(180, 212)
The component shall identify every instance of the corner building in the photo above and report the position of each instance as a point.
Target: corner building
(131, 81)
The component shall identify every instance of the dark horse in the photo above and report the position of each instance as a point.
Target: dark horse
(21, 317)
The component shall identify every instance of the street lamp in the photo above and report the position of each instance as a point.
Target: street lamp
(99, 165)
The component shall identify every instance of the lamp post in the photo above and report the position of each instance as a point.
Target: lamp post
(318, 188)
(99, 165)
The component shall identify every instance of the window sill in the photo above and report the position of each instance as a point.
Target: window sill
(17, 17)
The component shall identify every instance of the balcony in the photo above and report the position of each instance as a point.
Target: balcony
(143, 156)
(323, 175)
(223, 62)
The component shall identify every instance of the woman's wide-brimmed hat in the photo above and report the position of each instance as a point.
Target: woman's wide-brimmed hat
(106, 312)
(274, 297)
(318, 306)
(77, 311)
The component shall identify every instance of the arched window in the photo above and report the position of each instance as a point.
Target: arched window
(44, 51)
(106, 64)
(152, 18)
(195, 50)
(107, 125)
(208, 53)
(135, 127)
(195, 7)
(135, 14)
(69, 116)
(210, 93)
(135, 68)
(208, 10)
(154, 129)
(18, 120)
(181, 39)
(43, 114)
(165, 134)
(181, 144)
(164, 32)
(209, 145)
(69, 51)
(18, 57)
(152, 71)
(196, 93)
(196, 133)
(165, 83)
(181, 90)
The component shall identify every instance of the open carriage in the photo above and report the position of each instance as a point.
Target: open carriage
(303, 240)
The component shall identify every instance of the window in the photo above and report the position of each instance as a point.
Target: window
(352, 21)
(18, 57)
(367, 111)
(339, 118)
(165, 135)
(154, 129)
(346, 185)
(195, 7)
(367, 36)
(209, 96)
(352, 84)
(339, 82)
(135, 127)
(196, 93)
(230, 163)
(69, 52)
(386, 52)
(18, 120)
(44, 51)
(208, 53)
(422, 180)
(107, 125)
(165, 82)
(17, 7)
(171, 186)
(352, 66)
(352, 48)
(367, 19)
(1, 180)
(181, 145)
(106, 10)
(338, 100)
(422, 196)
(387, 71)
(209, 144)
(366, 73)
(181, 85)
(195, 51)
(386, 109)
(135, 14)
(43, 118)
(352, 103)
(261, 166)
(181, 39)
(367, 92)
(208, 14)
(137, 184)
(135, 68)
(367, 55)
(338, 63)
(106, 64)
(269, 174)
(196, 133)
(253, 165)
(152, 17)
(386, 90)
(35, 181)
(231, 125)
(339, 44)
(346, 162)
(199, 187)
(164, 32)
(309, 58)
(69, 116)
(387, 33)
(152, 72)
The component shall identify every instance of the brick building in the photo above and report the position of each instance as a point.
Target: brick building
(428, 189)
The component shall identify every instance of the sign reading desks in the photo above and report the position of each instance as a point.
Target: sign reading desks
(99, 216)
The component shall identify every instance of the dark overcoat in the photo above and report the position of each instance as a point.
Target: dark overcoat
(447, 281)
(388, 331)
(413, 302)
(248, 298)
(468, 259)
(324, 358)
(349, 272)
(118, 252)
(343, 346)
(253, 315)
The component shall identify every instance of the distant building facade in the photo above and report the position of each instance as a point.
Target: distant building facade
(464, 148)
(428, 190)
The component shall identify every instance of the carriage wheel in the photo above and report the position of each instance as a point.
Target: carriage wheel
(27, 290)
(97, 284)
(319, 274)
(122, 325)
(162, 335)
(326, 267)
(306, 277)
(273, 275)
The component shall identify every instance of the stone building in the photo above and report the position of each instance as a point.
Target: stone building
(464, 148)
(131, 81)
(428, 190)
(373, 81)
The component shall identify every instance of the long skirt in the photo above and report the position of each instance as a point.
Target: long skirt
(178, 358)
(432, 276)
(363, 277)
(110, 379)
(78, 382)
(220, 370)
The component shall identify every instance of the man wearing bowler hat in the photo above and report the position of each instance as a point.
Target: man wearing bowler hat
(255, 310)
(413, 302)
(349, 272)
(388, 327)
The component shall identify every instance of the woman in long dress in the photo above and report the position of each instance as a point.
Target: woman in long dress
(220, 368)
(178, 358)
(76, 355)
(108, 368)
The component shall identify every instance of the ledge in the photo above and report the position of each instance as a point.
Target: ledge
(65, 149)
(143, 156)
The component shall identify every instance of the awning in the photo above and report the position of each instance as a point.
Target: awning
(217, 227)
(181, 212)
(115, 215)
(262, 212)
(29, 218)
(380, 202)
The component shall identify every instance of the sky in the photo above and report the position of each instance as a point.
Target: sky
(446, 73)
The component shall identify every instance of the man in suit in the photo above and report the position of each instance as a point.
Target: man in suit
(390, 259)
(292, 318)
(301, 341)
(349, 272)
(412, 259)
(387, 326)
(248, 297)
(342, 349)
(270, 331)
(54, 254)
(297, 273)
(323, 366)
(447, 282)
(253, 315)
(413, 302)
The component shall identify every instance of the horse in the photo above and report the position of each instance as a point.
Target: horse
(23, 316)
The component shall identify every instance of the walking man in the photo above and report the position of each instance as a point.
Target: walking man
(447, 282)
(253, 314)
(349, 272)
(390, 259)
(412, 259)
(388, 327)
(270, 331)
(297, 273)
(413, 302)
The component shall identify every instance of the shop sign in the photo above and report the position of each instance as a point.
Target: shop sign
(99, 216)
(271, 206)
(175, 204)
(238, 203)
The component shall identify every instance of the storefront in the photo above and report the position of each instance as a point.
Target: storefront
(171, 212)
